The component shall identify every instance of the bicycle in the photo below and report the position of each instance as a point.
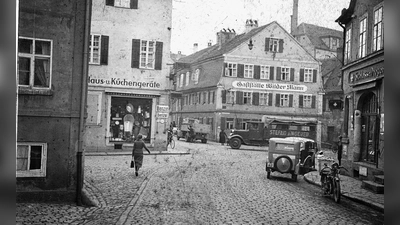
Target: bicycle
(171, 141)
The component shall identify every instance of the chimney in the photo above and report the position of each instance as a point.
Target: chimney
(294, 17)
(195, 47)
(225, 35)
(250, 24)
(209, 43)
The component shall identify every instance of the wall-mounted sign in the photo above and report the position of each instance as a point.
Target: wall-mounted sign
(366, 74)
(362, 171)
(162, 115)
(269, 86)
(122, 82)
(163, 108)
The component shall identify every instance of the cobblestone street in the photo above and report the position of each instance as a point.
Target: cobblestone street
(212, 185)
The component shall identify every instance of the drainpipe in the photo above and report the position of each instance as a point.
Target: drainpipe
(345, 125)
(85, 71)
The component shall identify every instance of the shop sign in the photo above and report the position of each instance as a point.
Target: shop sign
(162, 115)
(289, 133)
(269, 86)
(369, 73)
(122, 82)
(163, 108)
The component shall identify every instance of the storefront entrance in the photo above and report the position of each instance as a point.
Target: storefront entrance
(369, 127)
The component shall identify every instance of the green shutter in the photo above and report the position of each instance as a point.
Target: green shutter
(290, 100)
(239, 97)
(313, 101)
(280, 46)
(315, 76)
(134, 4)
(256, 72)
(301, 75)
(278, 73)
(300, 101)
(110, 2)
(267, 44)
(256, 98)
(135, 53)
(277, 100)
(240, 71)
(159, 52)
(291, 74)
(270, 99)
(104, 50)
(223, 96)
(271, 73)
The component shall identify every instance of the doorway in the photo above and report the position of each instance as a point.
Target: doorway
(369, 127)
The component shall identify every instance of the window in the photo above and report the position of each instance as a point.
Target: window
(284, 100)
(307, 100)
(196, 75)
(243, 125)
(34, 62)
(347, 45)
(31, 159)
(308, 75)
(285, 73)
(212, 97)
(229, 123)
(181, 80)
(362, 45)
(247, 97)
(264, 72)
(263, 99)
(248, 71)
(378, 29)
(204, 97)
(231, 97)
(94, 45)
(273, 45)
(147, 54)
(231, 70)
(177, 81)
(130, 4)
(187, 78)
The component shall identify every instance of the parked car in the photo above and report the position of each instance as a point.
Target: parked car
(294, 155)
(257, 134)
(200, 132)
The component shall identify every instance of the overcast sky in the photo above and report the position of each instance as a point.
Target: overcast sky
(198, 21)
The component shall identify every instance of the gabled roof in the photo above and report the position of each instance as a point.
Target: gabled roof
(316, 33)
(331, 73)
(216, 50)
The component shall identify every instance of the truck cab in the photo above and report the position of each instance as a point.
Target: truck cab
(256, 134)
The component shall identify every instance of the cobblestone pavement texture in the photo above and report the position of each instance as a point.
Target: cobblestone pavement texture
(212, 185)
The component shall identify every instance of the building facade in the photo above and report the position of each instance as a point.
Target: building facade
(363, 85)
(263, 74)
(128, 73)
(52, 91)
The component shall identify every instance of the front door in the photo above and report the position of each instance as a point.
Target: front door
(369, 128)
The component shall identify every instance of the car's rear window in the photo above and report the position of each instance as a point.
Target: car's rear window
(284, 147)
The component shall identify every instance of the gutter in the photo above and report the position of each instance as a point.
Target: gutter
(85, 72)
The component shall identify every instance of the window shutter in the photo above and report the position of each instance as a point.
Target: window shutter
(300, 101)
(256, 72)
(270, 99)
(239, 97)
(92, 108)
(110, 2)
(315, 76)
(223, 96)
(290, 100)
(104, 50)
(313, 101)
(134, 4)
(278, 99)
(208, 95)
(267, 44)
(280, 45)
(225, 69)
(271, 73)
(159, 51)
(240, 72)
(256, 98)
(291, 74)
(223, 123)
(278, 73)
(301, 75)
(135, 53)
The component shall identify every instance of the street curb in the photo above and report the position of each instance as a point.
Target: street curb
(376, 206)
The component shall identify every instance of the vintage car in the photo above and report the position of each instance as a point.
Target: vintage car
(294, 155)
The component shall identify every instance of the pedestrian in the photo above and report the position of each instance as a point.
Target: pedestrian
(222, 137)
(340, 150)
(137, 153)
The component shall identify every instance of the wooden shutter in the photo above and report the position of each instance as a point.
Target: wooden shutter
(159, 52)
(301, 75)
(135, 53)
(277, 100)
(223, 123)
(278, 73)
(256, 72)
(280, 49)
(256, 98)
(313, 101)
(223, 96)
(240, 71)
(270, 99)
(225, 69)
(314, 76)
(290, 100)
(267, 44)
(110, 2)
(93, 108)
(134, 4)
(300, 101)
(208, 96)
(271, 73)
(104, 50)
(239, 97)
(291, 74)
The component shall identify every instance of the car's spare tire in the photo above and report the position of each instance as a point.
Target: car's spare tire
(283, 164)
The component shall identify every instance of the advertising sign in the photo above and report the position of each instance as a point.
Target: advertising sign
(254, 85)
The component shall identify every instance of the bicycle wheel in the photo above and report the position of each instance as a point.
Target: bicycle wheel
(172, 143)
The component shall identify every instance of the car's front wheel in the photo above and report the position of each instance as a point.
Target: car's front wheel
(235, 143)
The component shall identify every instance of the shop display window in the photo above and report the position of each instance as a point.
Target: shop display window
(129, 118)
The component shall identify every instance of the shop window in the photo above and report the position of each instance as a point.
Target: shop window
(129, 4)
(129, 118)
(31, 159)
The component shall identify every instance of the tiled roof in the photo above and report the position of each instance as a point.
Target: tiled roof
(315, 34)
(331, 73)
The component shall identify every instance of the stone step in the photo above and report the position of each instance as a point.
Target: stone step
(372, 186)
(380, 179)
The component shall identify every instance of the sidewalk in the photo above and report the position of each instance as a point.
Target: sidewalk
(351, 188)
